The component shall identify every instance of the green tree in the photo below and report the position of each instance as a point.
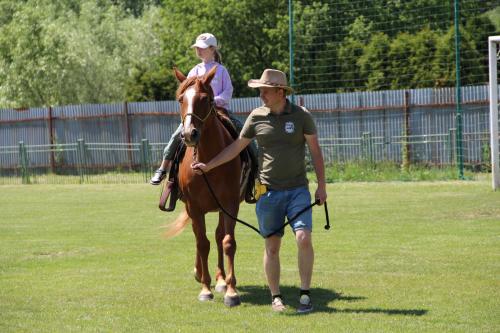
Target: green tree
(424, 48)
(479, 28)
(103, 51)
(373, 63)
(444, 62)
(400, 53)
(247, 46)
(62, 53)
(350, 50)
(315, 63)
(136, 7)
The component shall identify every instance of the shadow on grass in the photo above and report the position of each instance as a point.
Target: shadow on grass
(259, 295)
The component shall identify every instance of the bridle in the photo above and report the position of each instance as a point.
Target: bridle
(194, 115)
(202, 120)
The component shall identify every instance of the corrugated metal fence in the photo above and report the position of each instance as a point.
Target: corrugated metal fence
(365, 125)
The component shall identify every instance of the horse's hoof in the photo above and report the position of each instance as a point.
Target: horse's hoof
(232, 300)
(221, 287)
(205, 297)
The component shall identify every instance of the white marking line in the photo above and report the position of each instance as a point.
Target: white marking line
(189, 95)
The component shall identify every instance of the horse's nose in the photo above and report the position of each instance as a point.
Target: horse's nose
(191, 136)
(195, 135)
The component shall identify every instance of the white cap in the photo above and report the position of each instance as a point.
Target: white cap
(205, 40)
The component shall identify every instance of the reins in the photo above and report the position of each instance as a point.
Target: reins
(327, 226)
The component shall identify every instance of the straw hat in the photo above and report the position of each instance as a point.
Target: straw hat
(205, 40)
(271, 78)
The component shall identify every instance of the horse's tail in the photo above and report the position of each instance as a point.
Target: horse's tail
(178, 225)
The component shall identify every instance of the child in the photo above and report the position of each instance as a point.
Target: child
(206, 50)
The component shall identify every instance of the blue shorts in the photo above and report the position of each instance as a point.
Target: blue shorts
(273, 206)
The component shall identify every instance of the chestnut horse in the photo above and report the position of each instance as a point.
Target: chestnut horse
(205, 136)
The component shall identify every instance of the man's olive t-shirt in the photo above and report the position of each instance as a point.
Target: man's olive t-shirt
(281, 144)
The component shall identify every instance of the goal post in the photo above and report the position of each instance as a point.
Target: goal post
(493, 44)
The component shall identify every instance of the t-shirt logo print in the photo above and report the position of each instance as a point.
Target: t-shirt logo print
(289, 127)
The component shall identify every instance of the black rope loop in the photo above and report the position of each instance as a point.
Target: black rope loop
(327, 226)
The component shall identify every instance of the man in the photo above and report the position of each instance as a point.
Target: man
(281, 129)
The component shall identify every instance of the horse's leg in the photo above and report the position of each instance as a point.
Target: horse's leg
(231, 298)
(197, 268)
(202, 250)
(220, 274)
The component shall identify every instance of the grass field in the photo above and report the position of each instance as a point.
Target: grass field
(400, 257)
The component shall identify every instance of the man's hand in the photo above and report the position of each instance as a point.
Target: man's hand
(224, 156)
(321, 194)
(319, 166)
(199, 167)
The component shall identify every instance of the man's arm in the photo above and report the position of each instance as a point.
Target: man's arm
(224, 156)
(319, 166)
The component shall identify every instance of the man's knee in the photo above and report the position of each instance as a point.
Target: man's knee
(273, 246)
(303, 238)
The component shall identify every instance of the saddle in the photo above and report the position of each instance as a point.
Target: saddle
(248, 174)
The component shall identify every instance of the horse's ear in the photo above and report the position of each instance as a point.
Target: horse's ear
(209, 76)
(178, 74)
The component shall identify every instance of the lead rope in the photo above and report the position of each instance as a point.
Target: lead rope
(327, 226)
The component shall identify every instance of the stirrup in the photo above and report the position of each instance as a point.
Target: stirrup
(167, 189)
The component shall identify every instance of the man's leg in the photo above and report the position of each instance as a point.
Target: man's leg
(272, 269)
(272, 263)
(302, 226)
(305, 253)
(270, 209)
(305, 257)
(305, 261)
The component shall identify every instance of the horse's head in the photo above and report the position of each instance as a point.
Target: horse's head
(196, 98)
